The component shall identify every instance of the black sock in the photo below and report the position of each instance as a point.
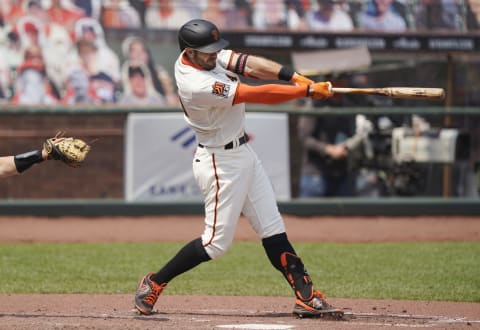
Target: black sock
(275, 246)
(190, 256)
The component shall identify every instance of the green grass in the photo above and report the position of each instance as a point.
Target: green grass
(419, 271)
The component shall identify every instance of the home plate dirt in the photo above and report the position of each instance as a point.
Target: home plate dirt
(225, 312)
(85, 311)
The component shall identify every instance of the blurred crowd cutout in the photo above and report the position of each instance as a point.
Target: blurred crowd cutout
(55, 51)
(335, 15)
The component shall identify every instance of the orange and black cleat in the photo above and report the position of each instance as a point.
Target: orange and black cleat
(147, 294)
(317, 307)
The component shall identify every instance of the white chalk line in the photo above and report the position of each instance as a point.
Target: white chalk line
(429, 320)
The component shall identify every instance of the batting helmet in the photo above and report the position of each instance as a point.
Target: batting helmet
(201, 35)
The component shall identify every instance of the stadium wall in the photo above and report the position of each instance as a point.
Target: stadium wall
(97, 189)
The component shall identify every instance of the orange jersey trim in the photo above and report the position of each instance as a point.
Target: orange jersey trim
(268, 94)
(186, 61)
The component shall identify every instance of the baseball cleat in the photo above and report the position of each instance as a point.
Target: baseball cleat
(147, 294)
(316, 307)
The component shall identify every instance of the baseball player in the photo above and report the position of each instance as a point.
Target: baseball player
(227, 170)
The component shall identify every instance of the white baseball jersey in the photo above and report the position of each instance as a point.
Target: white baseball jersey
(233, 180)
(207, 98)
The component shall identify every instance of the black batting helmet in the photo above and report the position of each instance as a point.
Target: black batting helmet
(201, 35)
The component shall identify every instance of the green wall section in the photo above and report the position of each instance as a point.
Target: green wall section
(310, 207)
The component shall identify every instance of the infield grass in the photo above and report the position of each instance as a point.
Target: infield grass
(417, 271)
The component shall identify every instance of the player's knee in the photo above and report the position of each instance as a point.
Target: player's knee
(215, 250)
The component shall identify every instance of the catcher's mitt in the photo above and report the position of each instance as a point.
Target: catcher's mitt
(71, 151)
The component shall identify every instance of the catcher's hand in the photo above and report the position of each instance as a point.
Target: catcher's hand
(320, 90)
(71, 151)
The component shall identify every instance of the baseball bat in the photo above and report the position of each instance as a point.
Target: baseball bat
(397, 92)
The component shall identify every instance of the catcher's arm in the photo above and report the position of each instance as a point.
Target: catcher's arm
(7, 166)
(71, 151)
(13, 165)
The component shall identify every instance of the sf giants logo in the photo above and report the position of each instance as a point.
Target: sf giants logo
(220, 89)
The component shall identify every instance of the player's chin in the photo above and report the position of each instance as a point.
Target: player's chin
(209, 66)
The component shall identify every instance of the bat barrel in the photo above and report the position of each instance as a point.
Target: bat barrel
(397, 92)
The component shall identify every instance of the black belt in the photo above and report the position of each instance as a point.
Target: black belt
(229, 145)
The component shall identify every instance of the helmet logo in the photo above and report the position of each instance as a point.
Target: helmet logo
(215, 34)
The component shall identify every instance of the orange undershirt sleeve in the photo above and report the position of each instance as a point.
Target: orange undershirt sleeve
(268, 94)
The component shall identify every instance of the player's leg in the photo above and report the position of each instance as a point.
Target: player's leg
(221, 184)
(151, 285)
(310, 302)
(191, 255)
(225, 192)
(262, 211)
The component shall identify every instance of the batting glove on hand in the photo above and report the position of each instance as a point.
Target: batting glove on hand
(320, 90)
(300, 80)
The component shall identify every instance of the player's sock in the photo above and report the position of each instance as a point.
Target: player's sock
(190, 256)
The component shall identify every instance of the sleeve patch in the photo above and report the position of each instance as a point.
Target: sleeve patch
(220, 89)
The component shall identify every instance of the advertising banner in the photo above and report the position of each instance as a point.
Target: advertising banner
(159, 149)
(404, 42)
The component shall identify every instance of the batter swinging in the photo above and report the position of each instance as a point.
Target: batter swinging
(227, 170)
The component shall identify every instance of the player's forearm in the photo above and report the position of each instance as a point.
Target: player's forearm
(269, 93)
(257, 67)
(7, 167)
(13, 165)
(262, 68)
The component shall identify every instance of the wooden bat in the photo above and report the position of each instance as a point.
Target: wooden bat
(397, 92)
